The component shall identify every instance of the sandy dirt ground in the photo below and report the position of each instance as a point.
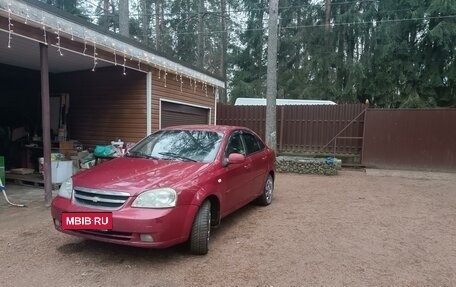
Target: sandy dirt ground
(354, 229)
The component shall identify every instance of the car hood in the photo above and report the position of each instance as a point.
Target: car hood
(135, 175)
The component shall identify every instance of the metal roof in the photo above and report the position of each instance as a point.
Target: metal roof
(24, 51)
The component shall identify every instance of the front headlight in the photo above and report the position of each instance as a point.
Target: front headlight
(66, 188)
(156, 198)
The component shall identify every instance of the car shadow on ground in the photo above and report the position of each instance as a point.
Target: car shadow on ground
(231, 221)
(113, 254)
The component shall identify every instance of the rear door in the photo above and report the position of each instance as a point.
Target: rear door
(258, 160)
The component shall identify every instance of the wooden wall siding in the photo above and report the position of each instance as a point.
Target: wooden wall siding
(173, 92)
(104, 105)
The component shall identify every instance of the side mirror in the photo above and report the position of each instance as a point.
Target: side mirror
(236, 158)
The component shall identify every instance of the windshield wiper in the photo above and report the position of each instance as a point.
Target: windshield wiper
(175, 155)
(140, 155)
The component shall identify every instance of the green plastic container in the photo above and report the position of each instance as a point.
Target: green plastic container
(2, 169)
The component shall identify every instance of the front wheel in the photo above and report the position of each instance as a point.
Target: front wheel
(201, 230)
(266, 197)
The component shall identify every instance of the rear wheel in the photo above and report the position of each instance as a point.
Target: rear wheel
(201, 230)
(266, 197)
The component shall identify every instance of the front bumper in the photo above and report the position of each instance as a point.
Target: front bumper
(167, 227)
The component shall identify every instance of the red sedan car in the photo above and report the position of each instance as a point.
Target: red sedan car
(169, 188)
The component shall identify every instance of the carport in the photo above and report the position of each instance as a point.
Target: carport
(43, 49)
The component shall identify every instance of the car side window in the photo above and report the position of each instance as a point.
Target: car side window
(262, 146)
(235, 145)
(252, 143)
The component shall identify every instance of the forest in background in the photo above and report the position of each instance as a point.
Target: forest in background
(394, 53)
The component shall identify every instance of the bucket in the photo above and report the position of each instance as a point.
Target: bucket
(61, 170)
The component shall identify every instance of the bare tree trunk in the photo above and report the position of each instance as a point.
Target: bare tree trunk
(115, 24)
(107, 16)
(326, 64)
(341, 70)
(158, 36)
(223, 98)
(200, 44)
(124, 15)
(271, 77)
(145, 7)
(328, 14)
(162, 22)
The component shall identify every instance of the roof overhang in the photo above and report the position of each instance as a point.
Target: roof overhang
(82, 46)
(25, 53)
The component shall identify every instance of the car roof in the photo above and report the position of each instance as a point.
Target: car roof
(214, 128)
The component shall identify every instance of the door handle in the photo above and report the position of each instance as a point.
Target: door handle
(247, 166)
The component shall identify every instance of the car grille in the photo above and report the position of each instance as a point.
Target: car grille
(100, 198)
(124, 236)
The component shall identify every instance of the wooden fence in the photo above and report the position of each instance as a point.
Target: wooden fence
(304, 129)
(422, 139)
(410, 139)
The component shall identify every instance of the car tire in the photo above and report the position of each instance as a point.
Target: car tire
(201, 230)
(266, 197)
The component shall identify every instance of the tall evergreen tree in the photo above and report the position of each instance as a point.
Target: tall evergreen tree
(396, 53)
(249, 68)
(70, 6)
(439, 76)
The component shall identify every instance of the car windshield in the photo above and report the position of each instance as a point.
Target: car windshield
(182, 145)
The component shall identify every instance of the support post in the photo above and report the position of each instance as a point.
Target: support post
(149, 103)
(46, 123)
(282, 118)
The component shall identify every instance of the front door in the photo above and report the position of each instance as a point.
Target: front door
(235, 181)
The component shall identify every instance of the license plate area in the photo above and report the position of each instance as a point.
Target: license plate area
(87, 220)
